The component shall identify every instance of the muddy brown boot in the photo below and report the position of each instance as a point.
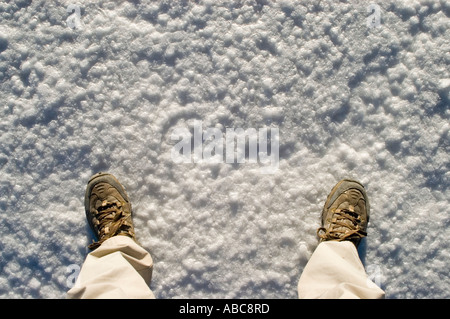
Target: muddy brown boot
(346, 213)
(108, 209)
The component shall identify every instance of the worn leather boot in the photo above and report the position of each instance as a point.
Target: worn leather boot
(346, 213)
(108, 209)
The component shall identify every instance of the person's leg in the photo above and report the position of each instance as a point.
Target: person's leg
(335, 269)
(118, 267)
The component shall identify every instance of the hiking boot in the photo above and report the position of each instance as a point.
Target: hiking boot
(346, 213)
(108, 209)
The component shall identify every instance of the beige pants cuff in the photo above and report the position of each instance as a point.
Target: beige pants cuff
(119, 268)
(336, 271)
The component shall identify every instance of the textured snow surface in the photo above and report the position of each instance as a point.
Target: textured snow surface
(349, 101)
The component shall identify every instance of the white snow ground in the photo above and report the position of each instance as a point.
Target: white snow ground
(349, 101)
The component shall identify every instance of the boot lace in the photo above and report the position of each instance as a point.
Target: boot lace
(111, 220)
(346, 225)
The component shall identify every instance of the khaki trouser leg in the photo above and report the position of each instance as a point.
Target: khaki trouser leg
(336, 271)
(119, 268)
